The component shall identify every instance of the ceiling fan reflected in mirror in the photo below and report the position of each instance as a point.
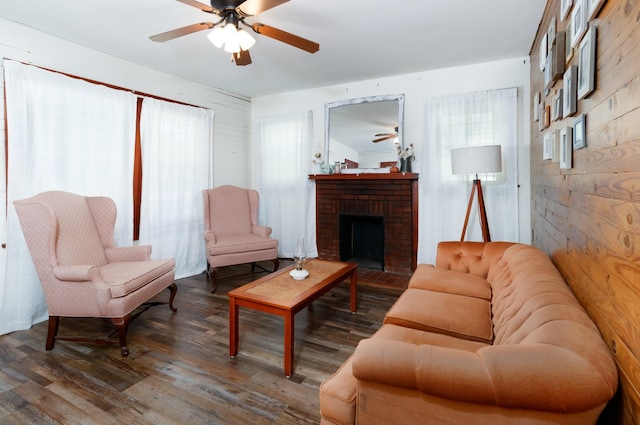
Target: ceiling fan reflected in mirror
(381, 137)
(228, 32)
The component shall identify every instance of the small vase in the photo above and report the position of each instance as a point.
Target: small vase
(403, 165)
(407, 167)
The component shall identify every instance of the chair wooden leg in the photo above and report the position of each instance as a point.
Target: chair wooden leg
(174, 290)
(54, 324)
(276, 264)
(213, 280)
(122, 324)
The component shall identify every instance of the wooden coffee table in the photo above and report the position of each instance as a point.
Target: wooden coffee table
(278, 293)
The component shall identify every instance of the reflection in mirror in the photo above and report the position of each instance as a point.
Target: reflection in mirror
(364, 132)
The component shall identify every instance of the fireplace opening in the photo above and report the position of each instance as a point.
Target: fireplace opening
(362, 240)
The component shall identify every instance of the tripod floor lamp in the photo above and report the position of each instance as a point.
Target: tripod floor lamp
(477, 160)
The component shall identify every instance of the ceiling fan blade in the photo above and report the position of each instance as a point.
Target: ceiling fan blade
(285, 37)
(385, 134)
(179, 32)
(382, 139)
(242, 58)
(200, 6)
(254, 7)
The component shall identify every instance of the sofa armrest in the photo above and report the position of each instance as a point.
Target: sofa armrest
(442, 372)
(262, 231)
(128, 253)
(539, 376)
(79, 273)
(209, 236)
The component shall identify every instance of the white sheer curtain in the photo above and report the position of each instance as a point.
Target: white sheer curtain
(472, 119)
(177, 144)
(282, 163)
(63, 134)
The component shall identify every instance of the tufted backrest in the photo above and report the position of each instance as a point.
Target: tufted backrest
(230, 210)
(528, 293)
(475, 258)
(535, 313)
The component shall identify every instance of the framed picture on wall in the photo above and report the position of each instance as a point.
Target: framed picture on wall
(555, 146)
(551, 32)
(547, 116)
(536, 106)
(557, 110)
(579, 132)
(543, 51)
(568, 50)
(565, 8)
(547, 146)
(569, 91)
(566, 147)
(587, 64)
(578, 22)
(594, 7)
(548, 71)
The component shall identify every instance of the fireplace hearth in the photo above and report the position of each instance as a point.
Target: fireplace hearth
(390, 197)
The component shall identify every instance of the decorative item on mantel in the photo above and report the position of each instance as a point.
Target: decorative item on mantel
(405, 157)
(299, 256)
(317, 160)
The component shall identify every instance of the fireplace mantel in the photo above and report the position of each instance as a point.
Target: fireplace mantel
(393, 196)
(365, 176)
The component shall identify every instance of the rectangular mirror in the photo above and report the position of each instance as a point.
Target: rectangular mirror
(365, 131)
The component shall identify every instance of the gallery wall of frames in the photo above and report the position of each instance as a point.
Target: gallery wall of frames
(585, 169)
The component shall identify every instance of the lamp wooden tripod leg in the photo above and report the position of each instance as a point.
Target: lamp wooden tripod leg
(484, 224)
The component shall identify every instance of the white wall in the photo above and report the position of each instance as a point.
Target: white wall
(234, 114)
(232, 119)
(417, 88)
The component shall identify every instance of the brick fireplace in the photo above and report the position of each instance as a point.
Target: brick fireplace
(392, 196)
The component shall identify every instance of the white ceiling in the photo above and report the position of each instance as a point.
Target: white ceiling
(359, 39)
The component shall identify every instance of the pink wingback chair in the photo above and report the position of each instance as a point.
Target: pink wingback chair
(83, 273)
(231, 230)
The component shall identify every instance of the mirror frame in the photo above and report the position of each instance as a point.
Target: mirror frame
(358, 100)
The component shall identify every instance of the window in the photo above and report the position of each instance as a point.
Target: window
(462, 120)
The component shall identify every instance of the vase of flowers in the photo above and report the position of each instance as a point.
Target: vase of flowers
(405, 157)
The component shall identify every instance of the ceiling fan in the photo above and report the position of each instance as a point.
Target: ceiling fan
(381, 137)
(232, 13)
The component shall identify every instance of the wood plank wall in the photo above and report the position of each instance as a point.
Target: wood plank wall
(587, 218)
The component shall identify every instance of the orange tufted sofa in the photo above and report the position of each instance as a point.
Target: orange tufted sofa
(489, 335)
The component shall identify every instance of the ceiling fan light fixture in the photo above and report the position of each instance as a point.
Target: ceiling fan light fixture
(246, 40)
(226, 33)
(230, 38)
(232, 46)
(217, 37)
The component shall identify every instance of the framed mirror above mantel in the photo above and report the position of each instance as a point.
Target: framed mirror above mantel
(364, 132)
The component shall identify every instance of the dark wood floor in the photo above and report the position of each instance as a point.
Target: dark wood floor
(179, 370)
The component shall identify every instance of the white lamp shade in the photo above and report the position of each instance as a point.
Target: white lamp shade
(217, 37)
(476, 160)
(245, 40)
(231, 43)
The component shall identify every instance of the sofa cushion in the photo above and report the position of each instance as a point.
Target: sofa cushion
(452, 282)
(449, 314)
(231, 244)
(124, 278)
(419, 337)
